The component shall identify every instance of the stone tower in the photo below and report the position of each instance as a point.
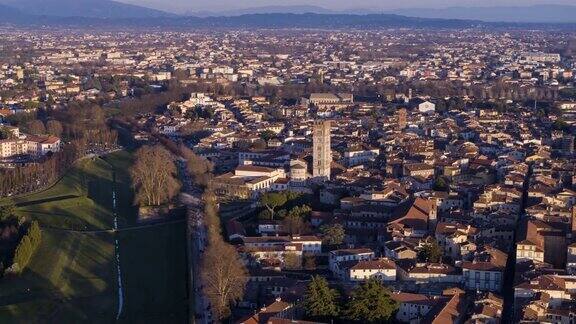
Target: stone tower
(573, 224)
(322, 153)
(402, 118)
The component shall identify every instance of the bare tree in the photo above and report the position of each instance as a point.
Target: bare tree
(153, 176)
(292, 261)
(295, 224)
(222, 271)
(199, 167)
(36, 127)
(54, 127)
(224, 277)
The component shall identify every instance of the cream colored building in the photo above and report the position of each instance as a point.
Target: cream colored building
(527, 250)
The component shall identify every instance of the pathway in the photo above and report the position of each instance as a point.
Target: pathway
(117, 249)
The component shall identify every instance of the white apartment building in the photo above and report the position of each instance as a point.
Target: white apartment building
(339, 261)
(382, 269)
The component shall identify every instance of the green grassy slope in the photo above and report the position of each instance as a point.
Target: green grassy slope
(72, 276)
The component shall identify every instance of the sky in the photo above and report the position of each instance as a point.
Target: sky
(221, 5)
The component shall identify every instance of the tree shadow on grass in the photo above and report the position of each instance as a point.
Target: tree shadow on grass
(155, 274)
(45, 200)
(72, 275)
(45, 303)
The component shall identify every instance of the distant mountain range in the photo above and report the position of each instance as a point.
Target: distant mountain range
(535, 14)
(103, 9)
(263, 10)
(531, 14)
(112, 13)
(271, 21)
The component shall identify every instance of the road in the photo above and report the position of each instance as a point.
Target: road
(508, 314)
(117, 250)
(197, 235)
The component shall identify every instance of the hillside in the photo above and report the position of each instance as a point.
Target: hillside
(251, 21)
(529, 14)
(82, 8)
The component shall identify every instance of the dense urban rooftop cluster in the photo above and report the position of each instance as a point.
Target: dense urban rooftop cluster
(440, 163)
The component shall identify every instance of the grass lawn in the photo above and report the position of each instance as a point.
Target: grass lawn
(72, 276)
(80, 200)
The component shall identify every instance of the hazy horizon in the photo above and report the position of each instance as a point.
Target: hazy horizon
(226, 5)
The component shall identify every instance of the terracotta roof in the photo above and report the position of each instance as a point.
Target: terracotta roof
(417, 215)
(488, 311)
(403, 297)
(382, 263)
(277, 320)
(266, 313)
(490, 259)
(279, 239)
(253, 168)
(282, 181)
(544, 282)
(450, 313)
(418, 166)
(351, 251)
(43, 139)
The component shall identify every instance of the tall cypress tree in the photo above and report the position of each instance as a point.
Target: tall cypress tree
(371, 303)
(23, 252)
(27, 246)
(321, 301)
(34, 233)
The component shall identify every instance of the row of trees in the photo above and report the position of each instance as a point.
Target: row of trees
(39, 175)
(369, 303)
(151, 102)
(78, 120)
(83, 128)
(199, 168)
(273, 200)
(26, 248)
(38, 127)
(222, 271)
(295, 216)
(82, 121)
